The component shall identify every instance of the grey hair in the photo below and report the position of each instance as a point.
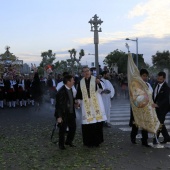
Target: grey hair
(84, 67)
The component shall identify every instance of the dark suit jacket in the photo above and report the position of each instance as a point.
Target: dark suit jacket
(8, 85)
(50, 83)
(62, 104)
(162, 99)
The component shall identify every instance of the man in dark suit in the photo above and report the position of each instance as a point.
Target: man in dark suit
(161, 104)
(65, 112)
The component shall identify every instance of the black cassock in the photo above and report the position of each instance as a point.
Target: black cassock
(92, 133)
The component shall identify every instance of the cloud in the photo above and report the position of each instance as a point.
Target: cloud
(104, 38)
(151, 19)
(156, 20)
(150, 23)
(147, 46)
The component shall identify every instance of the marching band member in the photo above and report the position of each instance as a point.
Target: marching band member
(1, 93)
(11, 95)
(52, 88)
(21, 91)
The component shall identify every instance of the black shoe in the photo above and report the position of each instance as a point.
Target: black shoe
(146, 145)
(133, 141)
(97, 145)
(104, 124)
(70, 144)
(155, 142)
(62, 147)
(165, 141)
(107, 125)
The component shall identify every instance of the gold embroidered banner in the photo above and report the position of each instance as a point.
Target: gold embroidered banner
(141, 100)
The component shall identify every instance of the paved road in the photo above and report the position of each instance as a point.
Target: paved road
(25, 143)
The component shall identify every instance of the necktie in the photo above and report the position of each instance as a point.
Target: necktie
(157, 90)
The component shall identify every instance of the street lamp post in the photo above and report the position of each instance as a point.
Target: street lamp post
(95, 22)
(92, 64)
(136, 40)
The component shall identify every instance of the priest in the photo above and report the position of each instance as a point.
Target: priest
(92, 108)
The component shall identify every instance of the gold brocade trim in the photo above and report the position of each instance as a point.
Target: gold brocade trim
(160, 127)
(93, 96)
(144, 119)
(141, 100)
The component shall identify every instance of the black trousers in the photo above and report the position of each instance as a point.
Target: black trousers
(70, 122)
(163, 130)
(11, 96)
(134, 130)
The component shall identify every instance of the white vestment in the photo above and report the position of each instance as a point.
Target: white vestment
(90, 101)
(107, 97)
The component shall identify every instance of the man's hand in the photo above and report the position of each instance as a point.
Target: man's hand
(97, 81)
(77, 104)
(59, 120)
(154, 105)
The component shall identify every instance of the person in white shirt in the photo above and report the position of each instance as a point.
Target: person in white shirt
(144, 75)
(59, 85)
(107, 94)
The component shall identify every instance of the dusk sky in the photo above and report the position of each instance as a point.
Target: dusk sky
(30, 27)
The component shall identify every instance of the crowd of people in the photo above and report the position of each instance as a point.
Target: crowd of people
(89, 93)
(20, 90)
(92, 95)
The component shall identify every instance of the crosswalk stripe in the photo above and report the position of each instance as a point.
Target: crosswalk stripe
(128, 129)
(121, 107)
(127, 123)
(120, 116)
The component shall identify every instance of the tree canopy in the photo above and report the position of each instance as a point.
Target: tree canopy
(120, 58)
(71, 65)
(47, 58)
(73, 60)
(161, 60)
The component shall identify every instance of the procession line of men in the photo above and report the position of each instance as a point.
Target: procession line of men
(15, 91)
